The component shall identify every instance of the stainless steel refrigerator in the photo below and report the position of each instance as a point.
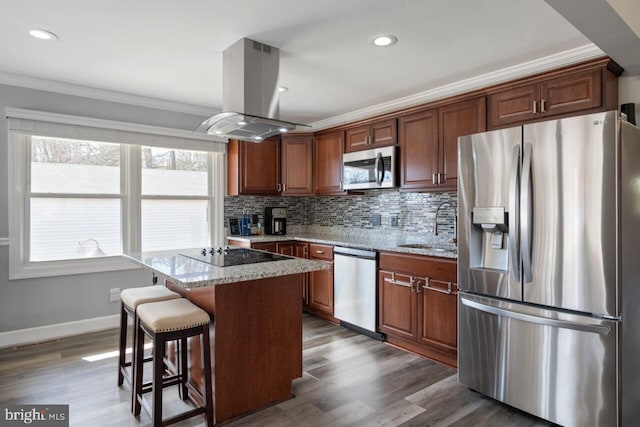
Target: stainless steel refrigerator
(549, 268)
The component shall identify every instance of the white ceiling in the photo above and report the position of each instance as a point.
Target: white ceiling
(172, 50)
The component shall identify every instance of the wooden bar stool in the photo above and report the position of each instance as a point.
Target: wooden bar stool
(130, 299)
(168, 321)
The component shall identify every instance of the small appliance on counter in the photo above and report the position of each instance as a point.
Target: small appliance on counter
(275, 221)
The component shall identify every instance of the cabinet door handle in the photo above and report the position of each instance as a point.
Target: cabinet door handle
(279, 187)
(535, 107)
(393, 281)
(440, 180)
(543, 106)
(427, 286)
(284, 188)
(433, 179)
(319, 252)
(305, 250)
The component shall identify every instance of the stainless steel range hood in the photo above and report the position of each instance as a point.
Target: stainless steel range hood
(250, 94)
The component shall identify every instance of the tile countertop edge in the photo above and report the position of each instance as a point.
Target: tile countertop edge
(241, 273)
(436, 251)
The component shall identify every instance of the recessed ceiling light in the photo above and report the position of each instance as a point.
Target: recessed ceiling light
(257, 138)
(283, 129)
(384, 40)
(42, 34)
(283, 89)
(242, 123)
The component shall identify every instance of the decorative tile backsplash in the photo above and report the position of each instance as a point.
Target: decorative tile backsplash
(415, 212)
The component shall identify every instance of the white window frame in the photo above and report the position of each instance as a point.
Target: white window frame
(25, 123)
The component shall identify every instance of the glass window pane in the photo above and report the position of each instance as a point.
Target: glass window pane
(174, 224)
(59, 226)
(168, 172)
(73, 166)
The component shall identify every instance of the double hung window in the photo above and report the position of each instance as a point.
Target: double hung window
(84, 195)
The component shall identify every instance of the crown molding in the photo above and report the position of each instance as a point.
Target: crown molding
(103, 95)
(558, 60)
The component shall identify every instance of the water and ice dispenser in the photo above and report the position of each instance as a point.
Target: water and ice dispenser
(489, 241)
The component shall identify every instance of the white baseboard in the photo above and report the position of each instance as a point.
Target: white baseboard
(59, 330)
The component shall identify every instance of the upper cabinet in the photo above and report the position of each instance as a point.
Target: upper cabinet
(456, 120)
(253, 168)
(429, 144)
(556, 94)
(327, 154)
(374, 135)
(297, 165)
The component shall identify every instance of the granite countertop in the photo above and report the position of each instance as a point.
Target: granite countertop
(192, 273)
(423, 244)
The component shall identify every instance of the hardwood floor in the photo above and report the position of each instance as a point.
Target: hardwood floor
(349, 380)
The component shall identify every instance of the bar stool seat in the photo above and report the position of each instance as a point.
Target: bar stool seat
(130, 299)
(165, 321)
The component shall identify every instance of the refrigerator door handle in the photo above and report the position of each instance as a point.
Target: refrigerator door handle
(526, 207)
(556, 323)
(514, 213)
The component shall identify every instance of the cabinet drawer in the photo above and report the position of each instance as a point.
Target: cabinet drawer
(265, 246)
(322, 252)
(440, 269)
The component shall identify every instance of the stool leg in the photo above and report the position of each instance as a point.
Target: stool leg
(208, 392)
(158, 371)
(123, 343)
(184, 369)
(138, 368)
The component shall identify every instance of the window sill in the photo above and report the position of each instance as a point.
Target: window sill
(70, 267)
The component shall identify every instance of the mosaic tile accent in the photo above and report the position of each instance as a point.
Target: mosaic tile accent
(416, 212)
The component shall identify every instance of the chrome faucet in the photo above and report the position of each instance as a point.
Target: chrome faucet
(455, 221)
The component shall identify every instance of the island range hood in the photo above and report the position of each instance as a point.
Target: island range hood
(250, 94)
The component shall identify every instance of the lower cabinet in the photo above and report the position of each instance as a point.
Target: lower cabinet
(418, 304)
(321, 283)
(300, 250)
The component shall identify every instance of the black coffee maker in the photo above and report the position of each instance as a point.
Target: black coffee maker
(275, 220)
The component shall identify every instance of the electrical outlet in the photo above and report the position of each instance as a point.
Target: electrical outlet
(114, 294)
(394, 220)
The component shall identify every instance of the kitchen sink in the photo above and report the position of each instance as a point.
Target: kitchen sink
(423, 246)
(415, 246)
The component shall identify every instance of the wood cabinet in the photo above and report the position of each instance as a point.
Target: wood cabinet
(297, 165)
(299, 250)
(321, 283)
(429, 144)
(327, 153)
(253, 168)
(574, 93)
(375, 135)
(285, 248)
(262, 246)
(418, 304)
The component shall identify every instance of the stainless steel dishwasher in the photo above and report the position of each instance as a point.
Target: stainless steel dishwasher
(355, 290)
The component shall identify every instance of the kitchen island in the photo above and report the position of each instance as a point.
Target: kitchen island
(256, 331)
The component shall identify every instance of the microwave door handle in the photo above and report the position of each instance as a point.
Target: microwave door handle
(514, 213)
(526, 207)
(378, 169)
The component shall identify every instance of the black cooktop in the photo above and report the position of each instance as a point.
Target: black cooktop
(226, 257)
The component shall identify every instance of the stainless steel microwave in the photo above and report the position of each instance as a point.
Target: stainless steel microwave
(370, 169)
